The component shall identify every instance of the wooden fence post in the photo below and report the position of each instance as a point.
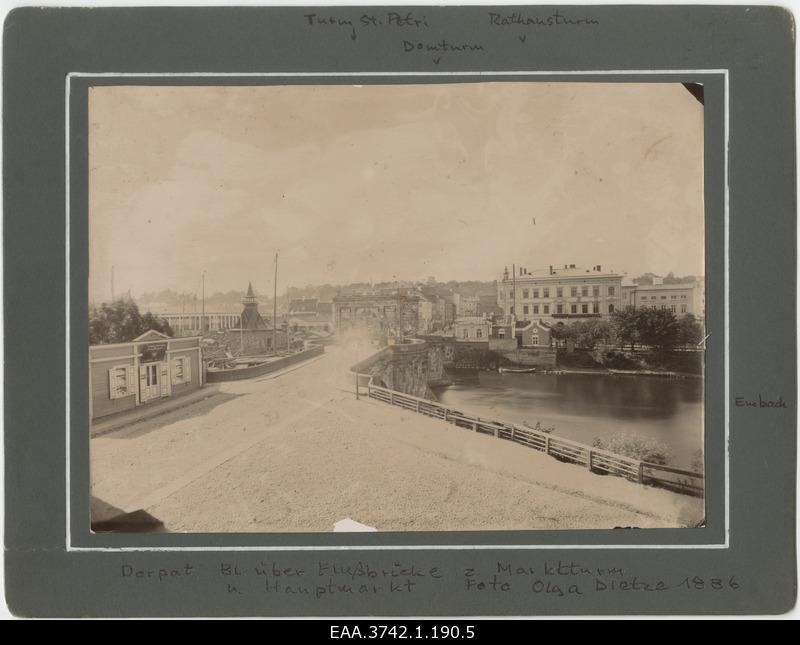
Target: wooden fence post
(475, 424)
(641, 473)
(547, 445)
(589, 461)
(418, 405)
(391, 397)
(513, 434)
(446, 411)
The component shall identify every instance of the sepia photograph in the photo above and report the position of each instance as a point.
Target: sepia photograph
(395, 307)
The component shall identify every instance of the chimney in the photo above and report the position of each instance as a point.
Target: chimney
(551, 269)
(599, 268)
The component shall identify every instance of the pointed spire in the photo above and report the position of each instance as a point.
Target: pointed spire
(250, 297)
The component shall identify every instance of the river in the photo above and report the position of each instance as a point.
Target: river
(582, 407)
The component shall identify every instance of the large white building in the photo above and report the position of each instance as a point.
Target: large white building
(560, 294)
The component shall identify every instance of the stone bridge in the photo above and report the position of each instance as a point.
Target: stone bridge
(419, 364)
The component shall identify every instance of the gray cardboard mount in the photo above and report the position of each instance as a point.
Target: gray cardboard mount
(742, 561)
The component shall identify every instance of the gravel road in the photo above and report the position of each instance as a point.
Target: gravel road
(298, 452)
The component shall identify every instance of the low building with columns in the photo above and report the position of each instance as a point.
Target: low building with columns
(195, 324)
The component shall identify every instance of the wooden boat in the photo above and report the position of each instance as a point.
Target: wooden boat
(517, 370)
(642, 373)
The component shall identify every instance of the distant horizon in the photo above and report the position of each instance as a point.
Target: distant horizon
(261, 295)
(368, 183)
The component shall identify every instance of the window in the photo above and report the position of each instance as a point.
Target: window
(611, 308)
(584, 291)
(559, 292)
(546, 292)
(663, 297)
(534, 340)
(672, 308)
(674, 297)
(611, 291)
(573, 309)
(525, 309)
(466, 333)
(683, 297)
(479, 333)
(536, 309)
(181, 370)
(584, 309)
(511, 309)
(546, 309)
(535, 293)
(573, 292)
(501, 333)
(511, 294)
(683, 309)
(596, 292)
(596, 308)
(525, 294)
(120, 381)
(663, 307)
(559, 309)
(644, 297)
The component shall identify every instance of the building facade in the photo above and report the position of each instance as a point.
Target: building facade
(472, 329)
(681, 299)
(151, 368)
(378, 316)
(560, 294)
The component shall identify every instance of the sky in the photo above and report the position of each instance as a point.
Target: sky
(382, 182)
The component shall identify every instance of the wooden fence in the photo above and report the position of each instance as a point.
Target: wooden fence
(595, 459)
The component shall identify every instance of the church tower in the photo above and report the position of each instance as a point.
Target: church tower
(251, 319)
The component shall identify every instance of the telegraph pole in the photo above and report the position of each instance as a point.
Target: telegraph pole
(514, 287)
(275, 310)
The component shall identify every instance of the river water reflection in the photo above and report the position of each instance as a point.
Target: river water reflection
(584, 406)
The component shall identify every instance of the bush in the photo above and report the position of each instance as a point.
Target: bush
(619, 361)
(636, 447)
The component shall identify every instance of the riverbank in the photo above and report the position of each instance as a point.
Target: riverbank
(300, 453)
(682, 364)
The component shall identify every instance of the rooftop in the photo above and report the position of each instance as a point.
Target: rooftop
(664, 287)
(566, 270)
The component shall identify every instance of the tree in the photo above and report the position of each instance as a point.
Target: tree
(562, 333)
(625, 325)
(658, 328)
(121, 322)
(690, 331)
(590, 332)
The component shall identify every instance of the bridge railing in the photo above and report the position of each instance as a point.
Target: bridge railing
(594, 459)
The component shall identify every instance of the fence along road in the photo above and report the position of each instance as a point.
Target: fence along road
(595, 459)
